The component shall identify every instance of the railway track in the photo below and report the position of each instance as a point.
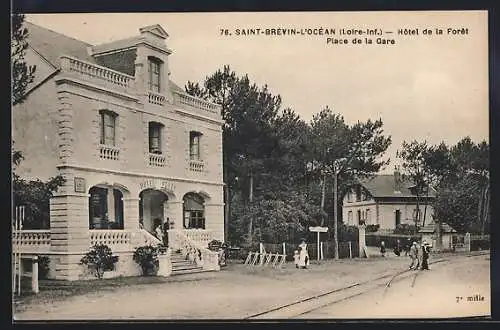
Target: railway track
(304, 306)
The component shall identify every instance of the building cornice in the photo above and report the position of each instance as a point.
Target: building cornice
(186, 113)
(121, 45)
(80, 83)
(136, 174)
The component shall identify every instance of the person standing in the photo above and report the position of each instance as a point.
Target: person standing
(303, 255)
(296, 258)
(397, 248)
(419, 255)
(166, 227)
(425, 255)
(159, 230)
(413, 253)
(382, 248)
(408, 246)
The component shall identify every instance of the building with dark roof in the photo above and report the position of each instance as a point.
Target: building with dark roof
(386, 200)
(136, 150)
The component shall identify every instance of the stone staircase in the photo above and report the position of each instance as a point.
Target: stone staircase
(181, 266)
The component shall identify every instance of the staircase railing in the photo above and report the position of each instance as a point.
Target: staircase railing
(193, 251)
(144, 237)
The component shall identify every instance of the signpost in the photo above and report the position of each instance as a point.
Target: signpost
(318, 230)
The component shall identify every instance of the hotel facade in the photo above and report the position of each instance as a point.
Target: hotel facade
(136, 150)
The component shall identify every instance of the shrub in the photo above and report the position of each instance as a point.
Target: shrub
(389, 240)
(214, 245)
(372, 228)
(348, 233)
(147, 257)
(100, 258)
(405, 229)
(43, 267)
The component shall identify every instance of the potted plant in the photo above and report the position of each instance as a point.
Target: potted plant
(99, 259)
(147, 258)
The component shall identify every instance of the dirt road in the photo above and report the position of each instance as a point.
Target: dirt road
(459, 288)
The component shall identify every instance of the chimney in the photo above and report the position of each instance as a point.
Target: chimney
(397, 179)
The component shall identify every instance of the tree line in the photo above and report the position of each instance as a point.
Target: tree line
(280, 170)
(459, 175)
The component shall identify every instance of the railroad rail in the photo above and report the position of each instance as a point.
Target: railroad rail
(307, 305)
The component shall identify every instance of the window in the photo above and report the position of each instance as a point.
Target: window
(194, 211)
(155, 130)
(107, 127)
(398, 217)
(194, 145)
(154, 74)
(196, 219)
(101, 214)
(367, 215)
(349, 217)
(360, 218)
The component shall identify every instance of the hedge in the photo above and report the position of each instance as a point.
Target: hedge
(389, 240)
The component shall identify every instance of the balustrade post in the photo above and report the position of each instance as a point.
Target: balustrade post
(34, 275)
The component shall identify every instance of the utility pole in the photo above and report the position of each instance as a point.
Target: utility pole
(250, 200)
(335, 217)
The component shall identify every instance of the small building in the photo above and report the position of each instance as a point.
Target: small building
(429, 234)
(386, 200)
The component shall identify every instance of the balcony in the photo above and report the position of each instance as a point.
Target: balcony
(196, 165)
(156, 160)
(202, 107)
(109, 152)
(31, 241)
(97, 75)
(155, 98)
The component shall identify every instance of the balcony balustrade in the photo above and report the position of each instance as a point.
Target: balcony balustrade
(109, 152)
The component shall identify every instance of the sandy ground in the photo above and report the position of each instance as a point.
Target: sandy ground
(234, 293)
(441, 292)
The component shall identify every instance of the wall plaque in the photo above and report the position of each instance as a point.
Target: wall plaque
(80, 185)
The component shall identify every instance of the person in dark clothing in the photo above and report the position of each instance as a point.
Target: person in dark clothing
(397, 248)
(408, 245)
(426, 248)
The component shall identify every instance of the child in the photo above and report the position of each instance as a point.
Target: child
(296, 257)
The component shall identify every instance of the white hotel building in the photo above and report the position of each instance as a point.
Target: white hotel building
(130, 143)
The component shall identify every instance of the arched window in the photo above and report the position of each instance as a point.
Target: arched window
(154, 69)
(155, 142)
(107, 127)
(194, 211)
(105, 208)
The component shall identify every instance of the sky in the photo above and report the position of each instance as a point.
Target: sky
(424, 87)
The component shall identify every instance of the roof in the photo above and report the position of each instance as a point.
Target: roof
(156, 30)
(431, 228)
(51, 45)
(383, 185)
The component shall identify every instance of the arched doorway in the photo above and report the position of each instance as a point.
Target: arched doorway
(105, 208)
(194, 211)
(153, 209)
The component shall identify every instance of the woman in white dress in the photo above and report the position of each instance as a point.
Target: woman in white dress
(303, 255)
